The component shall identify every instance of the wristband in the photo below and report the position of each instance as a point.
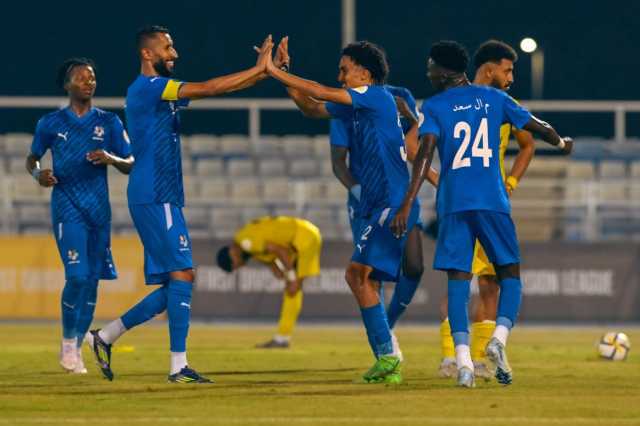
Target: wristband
(561, 144)
(290, 275)
(284, 67)
(356, 191)
(280, 265)
(512, 181)
(36, 174)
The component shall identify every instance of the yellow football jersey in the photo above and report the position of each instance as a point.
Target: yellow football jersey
(301, 236)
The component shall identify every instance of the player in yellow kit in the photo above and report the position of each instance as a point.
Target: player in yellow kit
(291, 247)
(494, 62)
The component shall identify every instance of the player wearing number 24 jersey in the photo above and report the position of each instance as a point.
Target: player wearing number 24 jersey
(464, 122)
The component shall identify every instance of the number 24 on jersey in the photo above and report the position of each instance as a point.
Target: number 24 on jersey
(480, 147)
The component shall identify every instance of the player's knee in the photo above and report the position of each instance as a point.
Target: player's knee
(186, 275)
(413, 270)
(511, 270)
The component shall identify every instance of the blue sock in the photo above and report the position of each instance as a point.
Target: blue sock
(458, 304)
(70, 303)
(510, 299)
(402, 295)
(87, 308)
(375, 321)
(153, 304)
(370, 337)
(179, 310)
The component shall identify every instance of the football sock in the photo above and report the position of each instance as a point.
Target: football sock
(458, 304)
(463, 355)
(375, 321)
(510, 298)
(70, 304)
(178, 362)
(503, 327)
(87, 309)
(289, 312)
(446, 341)
(150, 306)
(112, 331)
(402, 295)
(179, 313)
(481, 333)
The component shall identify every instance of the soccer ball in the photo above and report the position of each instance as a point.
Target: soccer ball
(614, 346)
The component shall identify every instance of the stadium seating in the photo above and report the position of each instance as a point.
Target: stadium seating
(228, 181)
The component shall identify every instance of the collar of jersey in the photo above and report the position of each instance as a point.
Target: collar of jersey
(73, 115)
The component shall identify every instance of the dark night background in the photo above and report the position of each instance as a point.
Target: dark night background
(591, 48)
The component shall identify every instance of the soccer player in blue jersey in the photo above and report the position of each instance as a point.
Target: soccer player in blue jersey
(384, 177)
(464, 122)
(156, 194)
(83, 141)
(346, 167)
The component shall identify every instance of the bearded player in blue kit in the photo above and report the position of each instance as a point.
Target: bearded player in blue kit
(83, 141)
(463, 120)
(156, 195)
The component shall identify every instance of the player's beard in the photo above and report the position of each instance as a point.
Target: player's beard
(161, 68)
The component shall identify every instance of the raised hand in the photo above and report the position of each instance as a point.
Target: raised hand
(264, 53)
(282, 58)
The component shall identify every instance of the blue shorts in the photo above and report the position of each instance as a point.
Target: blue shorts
(457, 234)
(85, 250)
(165, 238)
(377, 247)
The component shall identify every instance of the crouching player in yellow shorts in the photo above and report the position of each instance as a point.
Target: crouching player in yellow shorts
(291, 247)
(494, 67)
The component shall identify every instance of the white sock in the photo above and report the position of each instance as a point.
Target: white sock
(463, 357)
(501, 333)
(178, 362)
(69, 342)
(279, 338)
(112, 331)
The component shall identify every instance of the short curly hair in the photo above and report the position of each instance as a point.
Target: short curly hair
(370, 56)
(494, 51)
(64, 71)
(450, 55)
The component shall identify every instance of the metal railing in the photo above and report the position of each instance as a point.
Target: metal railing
(254, 107)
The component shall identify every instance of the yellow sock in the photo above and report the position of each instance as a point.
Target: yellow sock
(482, 332)
(446, 341)
(291, 307)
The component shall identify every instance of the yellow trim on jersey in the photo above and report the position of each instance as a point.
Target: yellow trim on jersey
(170, 92)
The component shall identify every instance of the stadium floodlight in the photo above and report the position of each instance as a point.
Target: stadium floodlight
(528, 45)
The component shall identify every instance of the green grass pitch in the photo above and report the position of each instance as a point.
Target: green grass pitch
(558, 380)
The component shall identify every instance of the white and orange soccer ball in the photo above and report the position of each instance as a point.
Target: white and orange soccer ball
(614, 346)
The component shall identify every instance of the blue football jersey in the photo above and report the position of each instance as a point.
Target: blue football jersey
(466, 120)
(378, 146)
(82, 192)
(153, 121)
(405, 94)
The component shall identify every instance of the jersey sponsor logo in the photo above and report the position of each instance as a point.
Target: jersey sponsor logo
(63, 135)
(73, 256)
(98, 133)
(184, 243)
(362, 89)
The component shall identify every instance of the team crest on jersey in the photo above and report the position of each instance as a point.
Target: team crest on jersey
(73, 256)
(184, 243)
(98, 133)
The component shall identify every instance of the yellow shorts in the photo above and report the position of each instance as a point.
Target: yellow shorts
(481, 264)
(308, 245)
